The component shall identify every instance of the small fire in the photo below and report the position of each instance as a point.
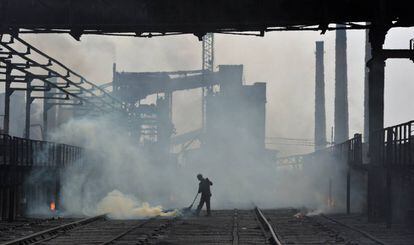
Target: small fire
(52, 206)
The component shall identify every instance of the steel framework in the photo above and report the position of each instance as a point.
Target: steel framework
(207, 66)
(26, 68)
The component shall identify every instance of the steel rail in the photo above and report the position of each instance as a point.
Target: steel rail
(35, 222)
(235, 234)
(52, 232)
(140, 225)
(365, 234)
(274, 239)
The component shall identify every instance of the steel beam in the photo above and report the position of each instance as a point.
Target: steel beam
(29, 101)
(137, 17)
(397, 54)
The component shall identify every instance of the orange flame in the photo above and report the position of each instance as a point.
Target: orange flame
(52, 206)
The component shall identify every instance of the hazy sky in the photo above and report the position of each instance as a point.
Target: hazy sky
(285, 60)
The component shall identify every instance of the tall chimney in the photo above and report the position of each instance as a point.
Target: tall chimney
(320, 115)
(341, 88)
(366, 89)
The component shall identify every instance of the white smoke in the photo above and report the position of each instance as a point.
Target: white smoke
(120, 178)
(285, 60)
(120, 206)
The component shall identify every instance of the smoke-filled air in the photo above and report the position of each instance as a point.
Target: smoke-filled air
(249, 126)
(125, 181)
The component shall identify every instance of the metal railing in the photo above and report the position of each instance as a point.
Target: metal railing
(31, 170)
(393, 146)
(349, 152)
(35, 153)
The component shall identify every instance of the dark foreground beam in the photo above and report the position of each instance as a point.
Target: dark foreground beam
(192, 16)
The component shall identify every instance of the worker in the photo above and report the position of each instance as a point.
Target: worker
(204, 189)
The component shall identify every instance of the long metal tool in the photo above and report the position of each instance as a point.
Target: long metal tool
(191, 206)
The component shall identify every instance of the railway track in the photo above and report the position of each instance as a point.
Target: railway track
(255, 226)
(99, 230)
(48, 234)
(294, 228)
(24, 227)
(268, 229)
(360, 232)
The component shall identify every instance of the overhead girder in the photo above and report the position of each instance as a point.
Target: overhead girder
(136, 86)
(72, 85)
(194, 16)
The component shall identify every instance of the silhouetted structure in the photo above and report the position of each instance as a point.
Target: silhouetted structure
(320, 115)
(197, 17)
(236, 115)
(366, 87)
(207, 66)
(341, 127)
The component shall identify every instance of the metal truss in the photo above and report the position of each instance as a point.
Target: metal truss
(207, 66)
(26, 68)
(22, 63)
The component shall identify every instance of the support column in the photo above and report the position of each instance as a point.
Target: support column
(368, 56)
(46, 107)
(45, 121)
(341, 88)
(348, 191)
(29, 101)
(375, 110)
(388, 178)
(376, 79)
(13, 185)
(320, 115)
(207, 66)
(115, 86)
(7, 94)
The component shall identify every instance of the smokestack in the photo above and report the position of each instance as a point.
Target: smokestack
(320, 115)
(341, 88)
(366, 89)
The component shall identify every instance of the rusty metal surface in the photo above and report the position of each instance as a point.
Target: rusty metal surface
(296, 228)
(111, 232)
(272, 236)
(397, 234)
(53, 232)
(236, 227)
(223, 227)
(28, 226)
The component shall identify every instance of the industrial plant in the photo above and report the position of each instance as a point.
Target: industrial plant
(156, 122)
